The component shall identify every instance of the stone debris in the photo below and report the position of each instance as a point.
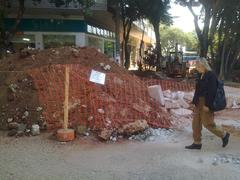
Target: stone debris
(233, 102)
(181, 112)
(39, 109)
(105, 134)
(171, 104)
(35, 130)
(13, 125)
(73, 105)
(134, 127)
(102, 64)
(25, 114)
(107, 67)
(226, 159)
(10, 120)
(181, 122)
(90, 118)
(183, 104)
(151, 134)
(156, 93)
(13, 87)
(21, 128)
(101, 111)
(235, 105)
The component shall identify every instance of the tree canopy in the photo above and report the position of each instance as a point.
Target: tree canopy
(171, 35)
(220, 34)
(156, 11)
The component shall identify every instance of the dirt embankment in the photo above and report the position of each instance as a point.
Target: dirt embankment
(32, 91)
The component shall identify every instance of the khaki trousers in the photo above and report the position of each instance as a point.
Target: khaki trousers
(204, 118)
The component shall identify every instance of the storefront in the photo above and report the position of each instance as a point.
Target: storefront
(49, 33)
(101, 39)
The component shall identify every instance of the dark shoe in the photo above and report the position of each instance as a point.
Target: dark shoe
(194, 146)
(225, 140)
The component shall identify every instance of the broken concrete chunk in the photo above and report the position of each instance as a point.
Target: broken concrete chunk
(167, 94)
(134, 127)
(156, 93)
(235, 105)
(105, 134)
(35, 130)
(13, 87)
(142, 109)
(74, 104)
(101, 111)
(107, 67)
(84, 106)
(13, 125)
(102, 64)
(113, 138)
(188, 96)
(90, 118)
(21, 128)
(183, 103)
(9, 120)
(26, 113)
(180, 95)
(181, 112)
(172, 105)
(39, 109)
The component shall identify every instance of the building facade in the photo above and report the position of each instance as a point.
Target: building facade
(46, 26)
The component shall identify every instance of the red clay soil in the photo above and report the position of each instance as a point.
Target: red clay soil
(123, 98)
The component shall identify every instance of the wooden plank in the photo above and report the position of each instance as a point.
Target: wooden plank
(65, 122)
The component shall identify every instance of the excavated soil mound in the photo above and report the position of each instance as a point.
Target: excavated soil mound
(122, 100)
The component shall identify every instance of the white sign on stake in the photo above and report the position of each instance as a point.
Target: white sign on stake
(97, 77)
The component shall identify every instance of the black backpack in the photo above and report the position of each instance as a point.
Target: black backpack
(219, 102)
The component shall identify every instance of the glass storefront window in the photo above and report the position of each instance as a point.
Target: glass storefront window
(21, 41)
(53, 41)
(109, 48)
(95, 43)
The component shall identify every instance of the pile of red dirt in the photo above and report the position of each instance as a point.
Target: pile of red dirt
(122, 100)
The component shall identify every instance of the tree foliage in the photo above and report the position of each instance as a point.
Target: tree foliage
(171, 35)
(220, 34)
(129, 12)
(156, 11)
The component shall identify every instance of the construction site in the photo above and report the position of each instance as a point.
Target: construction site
(119, 90)
(125, 111)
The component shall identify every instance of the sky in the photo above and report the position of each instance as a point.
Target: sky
(184, 18)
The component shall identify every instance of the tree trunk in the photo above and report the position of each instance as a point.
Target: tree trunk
(221, 74)
(117, 36)
(142, 42)
(126, 46)
(202, 35)
(158, 43)
(7, 35)
(227, 62)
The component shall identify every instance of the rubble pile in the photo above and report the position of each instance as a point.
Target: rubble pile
(178, 103)
(121, 106)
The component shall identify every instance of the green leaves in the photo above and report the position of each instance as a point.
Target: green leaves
(170, 36)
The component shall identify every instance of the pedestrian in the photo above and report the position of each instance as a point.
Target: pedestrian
(205, 91)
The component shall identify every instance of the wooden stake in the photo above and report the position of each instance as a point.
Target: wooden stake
(65, 122)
